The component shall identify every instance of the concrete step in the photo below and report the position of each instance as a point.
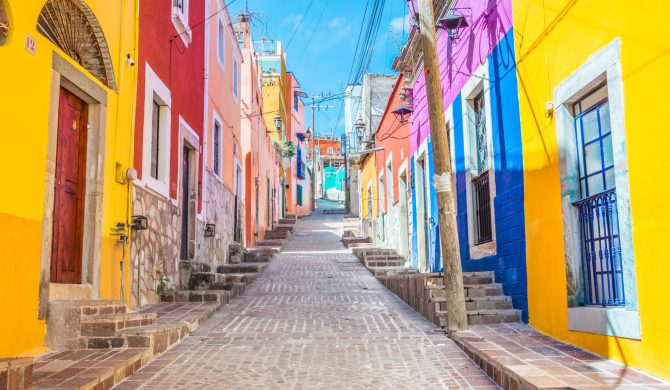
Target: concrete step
(287, 221)
(247, 267)
(271, 243)
(108, 325)
(16, 373)
(245, 278)
(499, 316)
(385, 263)
(258, 257)
(208, 281)
(478, 277)
(158, 337)
(278, 235)
(488, 303)
(483, 290)
(388, 271)
(182, 296)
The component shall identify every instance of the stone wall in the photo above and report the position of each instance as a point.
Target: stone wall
(218, 209)
(156, 248)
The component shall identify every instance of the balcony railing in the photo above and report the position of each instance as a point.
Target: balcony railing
(602, 270)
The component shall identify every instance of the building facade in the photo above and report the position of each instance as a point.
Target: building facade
(594, 215)
(479, 88)
(257, 149)
(66, 229)
(169, 144)
(299, 188)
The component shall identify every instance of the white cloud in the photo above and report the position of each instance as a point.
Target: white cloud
(400, 23)
(295, 20)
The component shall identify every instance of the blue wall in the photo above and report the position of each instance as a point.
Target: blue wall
(509, 262)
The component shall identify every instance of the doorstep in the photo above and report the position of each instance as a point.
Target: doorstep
(103, 368)
(517, 357)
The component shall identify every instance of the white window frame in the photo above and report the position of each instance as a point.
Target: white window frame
(236, 78)
(330, 150)
(381, 186)
(155, 89)
(478, 82)
(603, 66)
(180, 20)
(216, 119)
(221, 43)
(389, 181)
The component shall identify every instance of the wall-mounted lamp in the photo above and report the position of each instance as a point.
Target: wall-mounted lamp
(360, 128)
(402, 113)
(278, 122)
(308, 133)
(139, 222)
(210, 229)
(549, 109)
(453, 23)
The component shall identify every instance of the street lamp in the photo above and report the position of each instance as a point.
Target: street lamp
(278, 122)
(360, 128)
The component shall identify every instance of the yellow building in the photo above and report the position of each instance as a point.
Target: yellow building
(68, 85)
(368, 192)
(592, 82)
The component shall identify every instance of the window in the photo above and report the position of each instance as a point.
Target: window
(389, 183)
(301, 165)
(480, 183)
(221, 44)
(330, 150)
(380, 197)
(217, 148)
(295, 101)
(156, 134)
(155, 138)
(299, 194)
(480, 178)
(236, 79)
(180, 19)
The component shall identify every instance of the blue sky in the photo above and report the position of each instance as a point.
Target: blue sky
(320, 40)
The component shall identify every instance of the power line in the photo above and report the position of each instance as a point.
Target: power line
(313, 31)
(304, 15)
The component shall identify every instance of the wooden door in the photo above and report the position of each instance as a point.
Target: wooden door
(69, 189)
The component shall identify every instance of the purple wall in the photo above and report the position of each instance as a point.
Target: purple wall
(488, 21)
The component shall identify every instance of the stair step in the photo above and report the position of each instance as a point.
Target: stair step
(247, 267)
(207, 281)
(488, 303)
(388, 271)
(95, 307)
(182, 296)
(500, 316)
(478, 277)
(107, 325)
(483, 290)
(157, 337)
(271, 243)
(242, 277)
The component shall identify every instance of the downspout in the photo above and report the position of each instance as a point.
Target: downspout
(205, 127)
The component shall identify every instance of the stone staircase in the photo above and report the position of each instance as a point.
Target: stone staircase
(484, 299)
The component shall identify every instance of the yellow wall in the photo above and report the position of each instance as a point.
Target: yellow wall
(552, 42)
(24, 109)
(369, 176)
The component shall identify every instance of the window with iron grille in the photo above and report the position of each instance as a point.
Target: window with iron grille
(482, 202)
(602, 268)
(481, 191)
(217, 148)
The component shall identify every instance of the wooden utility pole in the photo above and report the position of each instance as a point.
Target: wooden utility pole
(451, 259)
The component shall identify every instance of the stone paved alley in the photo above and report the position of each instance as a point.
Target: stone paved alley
(316, 318)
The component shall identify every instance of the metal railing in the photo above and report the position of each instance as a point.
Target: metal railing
(482, 198)
(602, 269)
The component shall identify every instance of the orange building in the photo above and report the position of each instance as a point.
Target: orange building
(257, 151)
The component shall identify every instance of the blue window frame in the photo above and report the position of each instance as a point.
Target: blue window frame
(602, 269)
(300, 171)
(299, 194)
(295, 101)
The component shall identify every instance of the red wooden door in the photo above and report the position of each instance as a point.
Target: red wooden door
(68, 218)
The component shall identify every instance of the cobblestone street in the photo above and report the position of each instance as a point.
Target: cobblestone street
(316, 318)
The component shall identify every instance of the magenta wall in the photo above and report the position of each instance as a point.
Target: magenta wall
(489, 21)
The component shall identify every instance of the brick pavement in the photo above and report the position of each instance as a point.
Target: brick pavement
(316, 318)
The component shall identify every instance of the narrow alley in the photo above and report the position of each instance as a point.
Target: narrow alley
(316, 318)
